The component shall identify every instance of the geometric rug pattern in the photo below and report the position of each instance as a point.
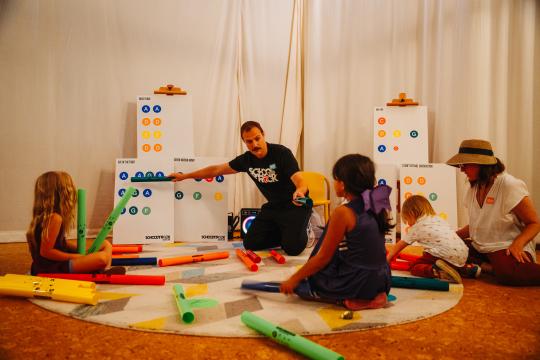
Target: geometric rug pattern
(153, 308)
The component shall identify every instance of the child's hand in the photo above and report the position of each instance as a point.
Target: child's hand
(288, 286)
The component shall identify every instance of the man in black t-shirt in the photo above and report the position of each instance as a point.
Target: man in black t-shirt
(282, 221)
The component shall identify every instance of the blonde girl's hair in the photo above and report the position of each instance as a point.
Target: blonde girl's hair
(54, 192)
(415, 207)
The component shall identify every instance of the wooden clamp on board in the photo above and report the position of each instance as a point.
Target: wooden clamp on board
(170, 90)
(402, 101)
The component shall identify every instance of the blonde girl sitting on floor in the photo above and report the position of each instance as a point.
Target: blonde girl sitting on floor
(55, 200)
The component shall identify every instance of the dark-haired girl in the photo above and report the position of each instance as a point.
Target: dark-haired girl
(348, 266)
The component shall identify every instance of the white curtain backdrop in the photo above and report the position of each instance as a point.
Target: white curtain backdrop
(470, 62)
(310, 72)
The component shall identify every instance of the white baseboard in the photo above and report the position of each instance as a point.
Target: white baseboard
(15, 236)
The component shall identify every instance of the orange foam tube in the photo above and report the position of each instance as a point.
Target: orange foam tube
(250, 264)
(126, 249)
(193, 258)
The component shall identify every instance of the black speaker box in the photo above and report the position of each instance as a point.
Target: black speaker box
(247, 215)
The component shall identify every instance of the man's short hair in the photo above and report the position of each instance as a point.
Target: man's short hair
(248, 125)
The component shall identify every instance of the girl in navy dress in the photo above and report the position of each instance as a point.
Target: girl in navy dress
(348, 266)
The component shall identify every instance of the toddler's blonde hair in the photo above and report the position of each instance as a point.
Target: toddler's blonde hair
(415, 207)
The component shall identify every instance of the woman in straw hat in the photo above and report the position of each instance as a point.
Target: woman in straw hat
(502, 219)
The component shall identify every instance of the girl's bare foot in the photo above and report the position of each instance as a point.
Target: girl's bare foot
(359, 304)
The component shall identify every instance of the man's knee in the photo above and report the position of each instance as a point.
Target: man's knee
(294, 249)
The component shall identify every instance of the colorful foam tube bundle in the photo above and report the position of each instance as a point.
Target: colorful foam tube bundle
(151, 179)
(81, 221)
(109, 223)
(246, 260)
(184, 308)
(134, 261)
(287, 338)
(180, 260)
(113, 279)
(419, 283)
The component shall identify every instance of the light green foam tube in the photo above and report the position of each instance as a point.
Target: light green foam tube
(296, 342)
(109, 223)
(182, 304)
(81, 221)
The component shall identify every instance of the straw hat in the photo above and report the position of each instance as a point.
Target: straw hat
(473, 151)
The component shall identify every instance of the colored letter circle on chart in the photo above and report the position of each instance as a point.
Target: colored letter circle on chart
(149, 174)
(381, 133)
(133, 210)
(147, 192)
(218, 196)
(433, 196)
(157, 108)
(123, 211)
(381, 121)
(157, 121)
(209, 180)
(136, 193)
(220, 178)
(123, 175)
(146, 147)
(121, 192)
(178, 195)
(407, 195)
(381, 182)
(146, 121)
(421, 180)
(443, 216)
(158, 147)
(197, 195)
(160, 173)
(381, 148)
(145, 108)
(157, 134)
(396, 148)
(139, 174)
(414, 133)
(397, 133)
(198, 180)
(146, 210)
(407, 180)
(146, 134)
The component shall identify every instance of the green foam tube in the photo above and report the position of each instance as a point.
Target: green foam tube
(296, 342)
(182, 304)
(106, 229)
(419, 283)
(81, 221)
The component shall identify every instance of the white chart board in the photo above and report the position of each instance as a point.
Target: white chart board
(200, 206)
(400, 135)
(164, 126)
(149, 214)
(435, 182)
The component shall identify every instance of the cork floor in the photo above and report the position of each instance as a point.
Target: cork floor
(490, 322)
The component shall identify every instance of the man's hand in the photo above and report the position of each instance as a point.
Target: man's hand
(177, 176)
(298, 194)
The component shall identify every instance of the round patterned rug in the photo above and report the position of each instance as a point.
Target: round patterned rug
(153, 308)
